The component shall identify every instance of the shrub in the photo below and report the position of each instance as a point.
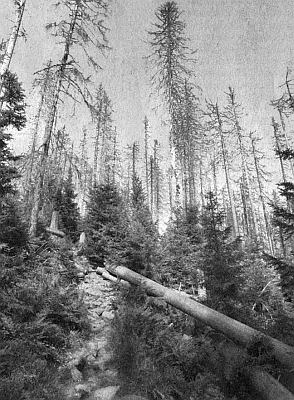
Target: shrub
(151, 356)
(39, 307)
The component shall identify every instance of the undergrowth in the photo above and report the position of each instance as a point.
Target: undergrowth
(39, 308)
(153, 358)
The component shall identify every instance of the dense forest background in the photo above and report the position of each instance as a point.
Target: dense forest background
(199, 205)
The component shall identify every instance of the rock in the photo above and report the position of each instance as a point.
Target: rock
(98, 311)
(91, 358)
(76, 374)
(107, 315)
(186, 337)
(111, 374)
(80, 275)
(82, 240)
(99, 365)
(106, 393)
(84, 387)
(106, 289)
(132, 397)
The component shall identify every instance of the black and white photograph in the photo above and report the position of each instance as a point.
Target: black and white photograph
(146, 200)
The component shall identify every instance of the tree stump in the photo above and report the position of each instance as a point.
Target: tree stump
(53, 229)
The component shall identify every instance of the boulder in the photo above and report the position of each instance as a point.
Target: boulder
(132, 397)
(108, 315)
(106, 393)
(77, 376)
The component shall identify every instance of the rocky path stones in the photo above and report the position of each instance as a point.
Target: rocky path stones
(92, 376)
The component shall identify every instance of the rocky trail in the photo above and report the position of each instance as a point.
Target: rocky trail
(92, 375)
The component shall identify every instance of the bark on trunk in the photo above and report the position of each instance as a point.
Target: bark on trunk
(50, 124)
(227, 173)
(263, 382)
(261, 196)
(146, 156)
(13, 38)
(233, 329)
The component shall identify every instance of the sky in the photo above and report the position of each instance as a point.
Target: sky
(246, 44)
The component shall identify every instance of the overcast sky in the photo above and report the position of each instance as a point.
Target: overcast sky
(247, 44)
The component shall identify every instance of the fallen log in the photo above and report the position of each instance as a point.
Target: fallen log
(233, 361)
(106, 275)
(267, 386)
(233, 329)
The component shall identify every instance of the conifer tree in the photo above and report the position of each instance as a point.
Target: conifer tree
(283, 218)
(103, 223)
(232, 117)
(7, 57)
(179, 259)
(64, 202)
(260, 174)
(170, 60)
(141, 239)
(220, 254)
(12, 115)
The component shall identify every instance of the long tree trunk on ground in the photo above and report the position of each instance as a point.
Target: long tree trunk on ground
(268, 387)
(233, 329)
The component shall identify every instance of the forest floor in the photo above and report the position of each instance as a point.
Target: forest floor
(92, 376)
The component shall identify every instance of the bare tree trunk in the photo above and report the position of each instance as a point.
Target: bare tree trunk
(263, 382)
(201, 184)
(152, 186)
(115, 155)
(214, 175)
(227, 173)
(233, 329)
(276, 136)
(156, 181)
(28, 178)
(279, 107)
(146, 155)
(12, 41)
(261, 196)
(97, 142)
(135, 151)
(10, 49)
(50, 125)
(245, 211)
(245, 174)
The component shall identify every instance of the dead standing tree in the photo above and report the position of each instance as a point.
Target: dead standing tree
(170, 60)
(84, 27)
(5, 64)
(216, 124)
